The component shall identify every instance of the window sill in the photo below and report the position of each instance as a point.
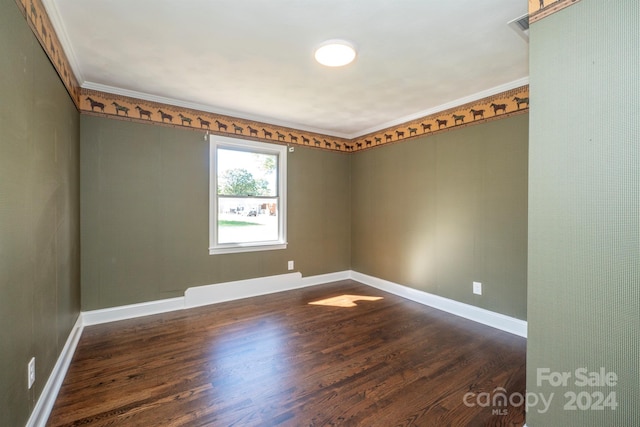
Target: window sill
(238, 248)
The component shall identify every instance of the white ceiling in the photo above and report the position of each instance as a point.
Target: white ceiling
(254, 58)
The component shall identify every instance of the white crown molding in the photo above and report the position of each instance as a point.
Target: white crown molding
(63, 36)
(452, 104)
(207, 108)
(268, 120)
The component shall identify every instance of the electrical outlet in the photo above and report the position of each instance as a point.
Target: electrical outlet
(477, 288)
(290, 265)
(31, 371)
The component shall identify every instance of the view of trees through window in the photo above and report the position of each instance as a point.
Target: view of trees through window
(247, 196)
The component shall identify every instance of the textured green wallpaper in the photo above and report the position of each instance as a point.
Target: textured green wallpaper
(145, 213)
(443, 211)
(584, 217)
(39, 216)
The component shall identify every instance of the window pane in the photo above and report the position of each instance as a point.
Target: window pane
(243, 220)
(243, 173)
(248, 189)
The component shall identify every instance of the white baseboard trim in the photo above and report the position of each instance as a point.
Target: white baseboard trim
(471, 312)
(44, 405)
(321, 279)
(212, 294)
(113, 314)
(230, 291)
(194, 297)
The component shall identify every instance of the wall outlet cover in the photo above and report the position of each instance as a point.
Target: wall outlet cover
(477, 288)
(31, 371)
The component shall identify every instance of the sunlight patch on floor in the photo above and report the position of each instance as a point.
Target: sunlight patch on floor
(344, 300)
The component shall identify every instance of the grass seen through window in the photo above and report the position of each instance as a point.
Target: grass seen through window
(228, 223)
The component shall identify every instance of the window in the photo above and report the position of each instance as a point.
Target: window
(247, 196)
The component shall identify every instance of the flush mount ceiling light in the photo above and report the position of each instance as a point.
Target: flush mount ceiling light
(335, 53)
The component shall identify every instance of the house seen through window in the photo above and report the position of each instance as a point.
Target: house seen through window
(248, 188)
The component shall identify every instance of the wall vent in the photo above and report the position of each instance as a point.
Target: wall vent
(521, 26)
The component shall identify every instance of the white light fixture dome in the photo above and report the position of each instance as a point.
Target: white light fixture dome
(335, 53)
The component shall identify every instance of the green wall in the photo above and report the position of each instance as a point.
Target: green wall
(434, 213)
(440, 212)
(584, 210)
(145, 213)
(39, 216)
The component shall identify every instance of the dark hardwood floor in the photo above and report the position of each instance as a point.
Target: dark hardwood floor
(277, 360)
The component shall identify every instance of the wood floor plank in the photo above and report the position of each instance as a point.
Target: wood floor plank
(276, 360)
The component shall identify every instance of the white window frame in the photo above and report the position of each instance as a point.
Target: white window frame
(216, 142)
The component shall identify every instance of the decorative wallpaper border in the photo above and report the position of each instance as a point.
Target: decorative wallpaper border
(93, 102)
(499, 106)
(539, 9)
(38, 19)
(133, 109)
(505, 104)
